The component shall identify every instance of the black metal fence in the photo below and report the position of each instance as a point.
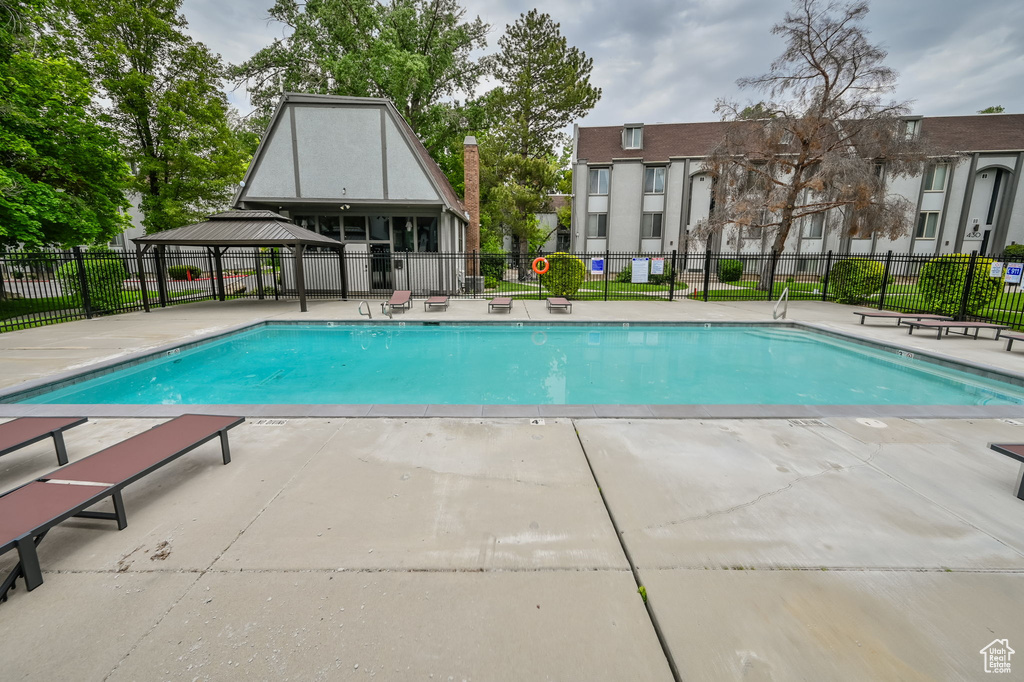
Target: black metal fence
(54, 286)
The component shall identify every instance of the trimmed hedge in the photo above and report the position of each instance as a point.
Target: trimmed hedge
(182, 271)
(730, 270)
(1014, 251)
(855, 279)
(943, 279)
(105, 277)
(492, 264)
(565, 274)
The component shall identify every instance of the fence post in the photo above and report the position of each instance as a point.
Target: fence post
(142, 277)
(83, 282)
(220, 273)
(672, 279)
(885, 279)
(707, 271)
(607, 265)
(968, 283)
(771, 276)
(824, 282)
(344, 274)
(259, 273)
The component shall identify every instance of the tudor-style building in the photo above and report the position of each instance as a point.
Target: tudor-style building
(352, 169)
(645, 188)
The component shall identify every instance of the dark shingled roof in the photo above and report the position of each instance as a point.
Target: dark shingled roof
(984, 132)
(241, 228)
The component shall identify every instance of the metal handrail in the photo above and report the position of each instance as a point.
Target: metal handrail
(775, 311)
(368, 313)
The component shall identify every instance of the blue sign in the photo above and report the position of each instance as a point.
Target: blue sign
(1013, 273)
(597, 266)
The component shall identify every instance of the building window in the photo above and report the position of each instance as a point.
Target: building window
(912, 129)
(330, 226)
(752, 231)
(380, 228)
(935, 178)
(426, 235)
(599, 180)
(927, 223)
(597, 225)
(633, 137)
(650, 226)
(355, 228)
(654, 181)
(817, 226)
(307, 222)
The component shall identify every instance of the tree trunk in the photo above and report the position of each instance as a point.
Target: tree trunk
(525, 272)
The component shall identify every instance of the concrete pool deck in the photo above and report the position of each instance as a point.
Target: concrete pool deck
(487, 548)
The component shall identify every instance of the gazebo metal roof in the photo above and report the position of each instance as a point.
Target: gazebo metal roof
(237, 228)
(240, 228)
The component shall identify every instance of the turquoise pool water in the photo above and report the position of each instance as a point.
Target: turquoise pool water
(469, 365)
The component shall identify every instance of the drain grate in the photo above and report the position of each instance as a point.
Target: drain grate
(806, 422)
(269, 422)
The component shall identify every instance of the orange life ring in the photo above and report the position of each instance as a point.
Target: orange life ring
(541, 259)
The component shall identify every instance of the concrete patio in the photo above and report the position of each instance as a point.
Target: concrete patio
(499, 549)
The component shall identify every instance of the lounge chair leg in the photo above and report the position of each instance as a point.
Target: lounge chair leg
(29, 562)
(1020, 483)
(225, 450)
(62, 451)
(119, 513)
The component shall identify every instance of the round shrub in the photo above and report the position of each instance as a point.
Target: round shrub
(855, 279)
(943, 279)
(1014, 252)
(492, 264)
(104, 275)
(183, 271)
(730, 270)
(565, 274)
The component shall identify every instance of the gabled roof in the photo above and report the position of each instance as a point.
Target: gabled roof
(240, 228)
(346, 152)
(979, 133)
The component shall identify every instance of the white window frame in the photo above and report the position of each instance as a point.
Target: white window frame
(818, 233)
(929, 177)
(594, 226)
(923, 218)
(912, 128)
(633, 137)
(648, 223)
(598, 173)
(654, 172)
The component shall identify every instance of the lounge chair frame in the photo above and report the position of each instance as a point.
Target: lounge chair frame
(400, 300)
(939, 325)
(500, 303)
(559, 303)
(40, 428)
(1014, 451)
(899, 317)
(70, 493)
(1010, 337)
(435, 302)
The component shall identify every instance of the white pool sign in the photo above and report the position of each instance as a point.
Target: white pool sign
(640, 270)
(657, 266)
(997, 270)
(597, 266)
(1013, 273)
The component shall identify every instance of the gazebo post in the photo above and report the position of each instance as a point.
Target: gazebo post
(344, 279)
(161, 274)
(259, 274)
(300, 276)
(220, 272)
(142, 277)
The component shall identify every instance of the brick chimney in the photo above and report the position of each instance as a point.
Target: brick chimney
(471, 171)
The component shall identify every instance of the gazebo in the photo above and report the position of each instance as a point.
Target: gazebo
(231, 229)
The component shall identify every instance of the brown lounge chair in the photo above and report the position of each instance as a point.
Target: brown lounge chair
(19, 433)
(559, 303)
(29, 512)
(1016, 451)
(401, 300)
(436, 302)
(939, 325)
(1010, 337)
(500, 303)
(899, 317)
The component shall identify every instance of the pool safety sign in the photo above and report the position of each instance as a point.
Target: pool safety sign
(640, 270)
(997, 270)
(657, 266)
(597, 266)
(1013, 271)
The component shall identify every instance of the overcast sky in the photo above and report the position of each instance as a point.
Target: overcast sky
(667, 61)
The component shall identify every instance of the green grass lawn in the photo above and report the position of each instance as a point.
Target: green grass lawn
(748, 291)
(16, 307)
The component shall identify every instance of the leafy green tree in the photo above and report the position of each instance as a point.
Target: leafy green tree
(943, 279)
(544, 85)
(62, 177)
(167, 105)
(997, 109)
(417, 53)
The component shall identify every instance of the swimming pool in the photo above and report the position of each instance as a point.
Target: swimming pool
(322, 364)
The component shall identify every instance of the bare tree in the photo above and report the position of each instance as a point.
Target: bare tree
(825, 137)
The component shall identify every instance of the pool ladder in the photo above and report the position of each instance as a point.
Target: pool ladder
(368, 313)
(784, 302)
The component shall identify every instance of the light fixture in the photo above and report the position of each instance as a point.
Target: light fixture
(408, 226)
